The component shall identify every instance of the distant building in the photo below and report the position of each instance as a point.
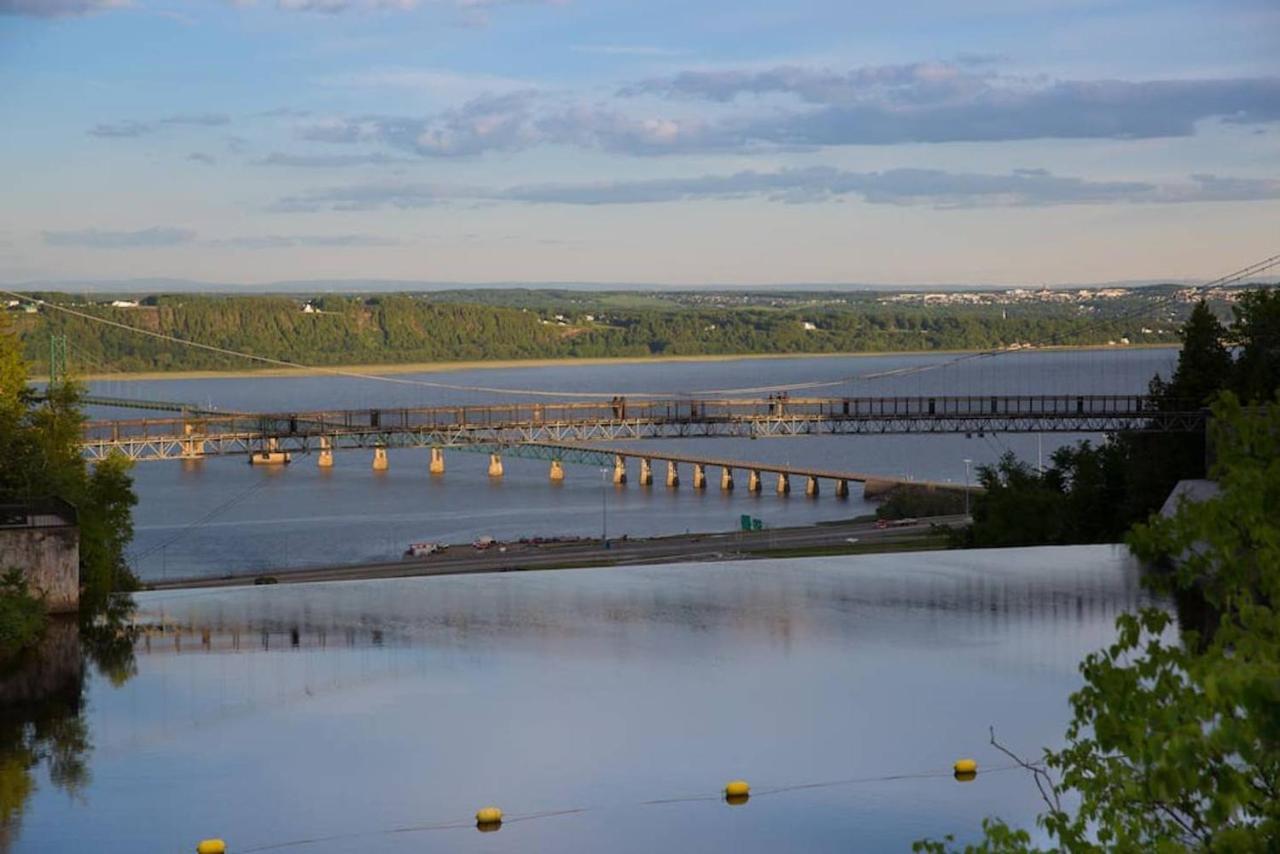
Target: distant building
(809, 327)
(124, 303)
(42, 539)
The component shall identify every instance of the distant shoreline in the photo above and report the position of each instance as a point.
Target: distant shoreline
(507, 364)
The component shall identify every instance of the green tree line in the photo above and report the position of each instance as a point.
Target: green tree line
(40, 458)
(1093, 493)
(406, 328)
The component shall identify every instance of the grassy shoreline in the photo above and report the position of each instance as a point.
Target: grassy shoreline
(390, 369)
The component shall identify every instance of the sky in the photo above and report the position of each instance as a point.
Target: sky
(910, 142)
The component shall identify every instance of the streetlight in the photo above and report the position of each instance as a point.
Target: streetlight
(967, 463)
(604, 507)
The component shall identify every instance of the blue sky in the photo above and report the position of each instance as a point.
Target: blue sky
(811, 141)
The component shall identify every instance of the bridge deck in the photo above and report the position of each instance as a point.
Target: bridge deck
(445, 426)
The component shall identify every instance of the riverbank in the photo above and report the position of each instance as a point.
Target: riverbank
(393, 369)
(861, 536)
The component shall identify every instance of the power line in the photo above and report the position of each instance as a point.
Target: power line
(1231, 278)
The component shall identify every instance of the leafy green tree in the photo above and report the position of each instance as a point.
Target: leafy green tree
(1257, 330)
(1174, 744)
(40, 457)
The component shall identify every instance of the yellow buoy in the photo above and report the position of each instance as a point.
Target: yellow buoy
(737, 789)
(211, 846)
(966, 766)
(487, 818)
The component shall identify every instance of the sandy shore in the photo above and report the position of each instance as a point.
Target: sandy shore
(497, 364)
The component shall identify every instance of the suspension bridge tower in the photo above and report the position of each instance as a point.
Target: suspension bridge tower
(57, 359)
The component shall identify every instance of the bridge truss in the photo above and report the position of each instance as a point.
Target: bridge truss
(204, 433)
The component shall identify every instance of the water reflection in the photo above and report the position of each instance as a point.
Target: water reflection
(288, 712)
(43, 731)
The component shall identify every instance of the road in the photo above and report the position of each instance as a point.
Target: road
(735, 545)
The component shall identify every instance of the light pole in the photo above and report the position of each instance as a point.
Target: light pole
(604, 507)
(967, 463)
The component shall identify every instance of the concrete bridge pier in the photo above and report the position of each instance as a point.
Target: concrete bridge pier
(557, 471)
(619, 468)
(673, 474)
(699, 476)
(754, 483)
(380, 459)
(842, 489)
(726, 479)
(437, 461)
(784, 483)
(646, 472)
(495, 465)
(192, 449)
(325, 458)
(811, 487)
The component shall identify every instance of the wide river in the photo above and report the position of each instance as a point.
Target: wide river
(602, 709)
(221, 515)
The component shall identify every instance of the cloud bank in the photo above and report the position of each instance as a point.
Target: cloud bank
(156, 237)
(58, 8)
(129, 128)
(928, 187)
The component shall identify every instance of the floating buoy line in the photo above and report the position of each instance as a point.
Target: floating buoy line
(489, 819)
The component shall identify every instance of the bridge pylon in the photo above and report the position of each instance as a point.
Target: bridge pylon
(754, 483)
(673, 474)
(699, 476)
(646, 471)
(619, 469)
(811, 487)
(325, 458)
(437, 461)
(557, 472)
(495, 465)
(784, 484)
(380, 462)
(726, 479)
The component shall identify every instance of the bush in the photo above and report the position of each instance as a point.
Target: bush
(22, 615)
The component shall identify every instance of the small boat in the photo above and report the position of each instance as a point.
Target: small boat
(422, 549)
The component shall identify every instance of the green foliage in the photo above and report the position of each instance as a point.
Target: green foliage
(515, 324)
(1072, 501)
(1093, 494)
(1174, 743)
(22, 616)
(40, 457)
(909, 503)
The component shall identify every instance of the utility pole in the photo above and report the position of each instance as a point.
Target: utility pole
(967, 463)
(604, 507)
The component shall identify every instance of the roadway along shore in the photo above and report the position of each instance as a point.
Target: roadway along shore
(856, 537)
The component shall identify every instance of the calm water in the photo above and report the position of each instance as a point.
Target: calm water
(220, 515)
(349, 710)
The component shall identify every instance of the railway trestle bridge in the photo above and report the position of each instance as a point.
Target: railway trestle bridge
(573, 432)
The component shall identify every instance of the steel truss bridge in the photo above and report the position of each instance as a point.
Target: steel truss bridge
(200, 432)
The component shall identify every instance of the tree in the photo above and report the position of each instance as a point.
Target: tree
(1257, 331)
(1174, 742)
(40, 457)
(1204, 363)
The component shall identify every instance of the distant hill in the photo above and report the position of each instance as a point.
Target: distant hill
(325, 286)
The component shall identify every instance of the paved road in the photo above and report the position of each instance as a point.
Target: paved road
(693, 547)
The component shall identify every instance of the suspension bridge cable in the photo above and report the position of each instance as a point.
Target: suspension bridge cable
(1253, 269)
(207, 517)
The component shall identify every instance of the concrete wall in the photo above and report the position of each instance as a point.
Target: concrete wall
(50, 560)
